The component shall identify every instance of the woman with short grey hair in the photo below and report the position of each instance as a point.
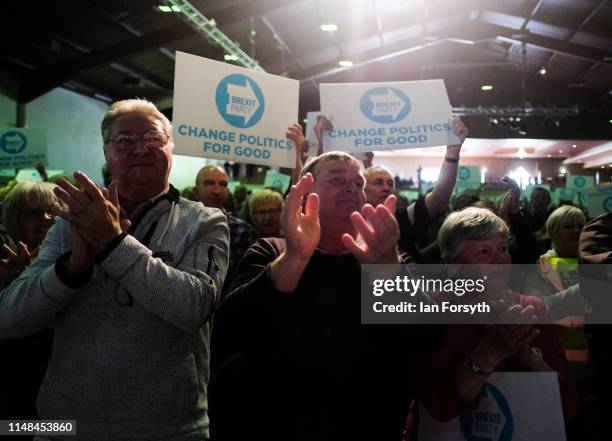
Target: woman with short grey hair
(468, 224)
(450, 380)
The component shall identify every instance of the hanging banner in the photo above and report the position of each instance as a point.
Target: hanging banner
(226, 112)
(513, 406)
(21, 148)
(387, 116)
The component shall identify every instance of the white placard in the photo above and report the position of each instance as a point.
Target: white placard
(600, 201)
(21, 148)
(278, 180)
(388, 116)
(517, 406)
(226, 112)
(580, 183)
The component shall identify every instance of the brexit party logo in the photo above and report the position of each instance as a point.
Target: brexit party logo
(464, 173)
(13, 142)
(385, 105)
(492, 421)
(240, 101)
(579, 182)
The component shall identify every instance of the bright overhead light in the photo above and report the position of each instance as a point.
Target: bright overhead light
(549, 155)
(543, 71)
(560, 151)
(486, 87)
(521, 153)
(562, 169)
(228, 57)
(345, 63)
(164, 8)
(176, 8)
(305, 120)
(329, 27)
(573, 146)
(610, 121)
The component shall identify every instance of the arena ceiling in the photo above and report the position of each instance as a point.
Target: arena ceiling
(114, 49)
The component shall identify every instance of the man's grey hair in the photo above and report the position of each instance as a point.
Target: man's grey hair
(468, 224)
(312, 165)
(21, 198)
(119, 108)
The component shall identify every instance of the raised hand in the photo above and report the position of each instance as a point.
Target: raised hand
(295, 133)
(513, 332)
(513, 195)
(22, 258)
(378, 233)
(94, 216)
(322, 125)
(301, 223)
(461, 131)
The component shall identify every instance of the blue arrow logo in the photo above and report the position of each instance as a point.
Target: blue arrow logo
(494, 424)
(240, 101)
(464, 173)
(13, 142)
(385, 105)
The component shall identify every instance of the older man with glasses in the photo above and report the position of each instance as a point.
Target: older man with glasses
(128, 278)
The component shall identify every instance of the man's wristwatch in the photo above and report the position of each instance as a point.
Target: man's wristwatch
(476, 368)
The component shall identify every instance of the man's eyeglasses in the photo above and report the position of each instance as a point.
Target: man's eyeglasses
(128, 140)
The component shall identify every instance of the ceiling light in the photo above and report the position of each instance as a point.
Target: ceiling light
(164, 8)
(176, 8)
(228, 57)
(560, 151)
(543, 71)
(486, 87)
(329, 27)
(521, 153)
(345, 63)
(549, 155)
(305, 120)
(573, 146)
(562, 169)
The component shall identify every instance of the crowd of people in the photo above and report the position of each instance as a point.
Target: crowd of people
(143, 314)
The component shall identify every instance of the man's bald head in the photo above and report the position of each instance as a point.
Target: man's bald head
(212, 186)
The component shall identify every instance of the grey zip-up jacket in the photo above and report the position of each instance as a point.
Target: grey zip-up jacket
(130, 356)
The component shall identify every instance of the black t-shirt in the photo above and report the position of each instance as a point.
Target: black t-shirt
(306, 352)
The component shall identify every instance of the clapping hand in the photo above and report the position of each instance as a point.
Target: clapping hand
(378, 233)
